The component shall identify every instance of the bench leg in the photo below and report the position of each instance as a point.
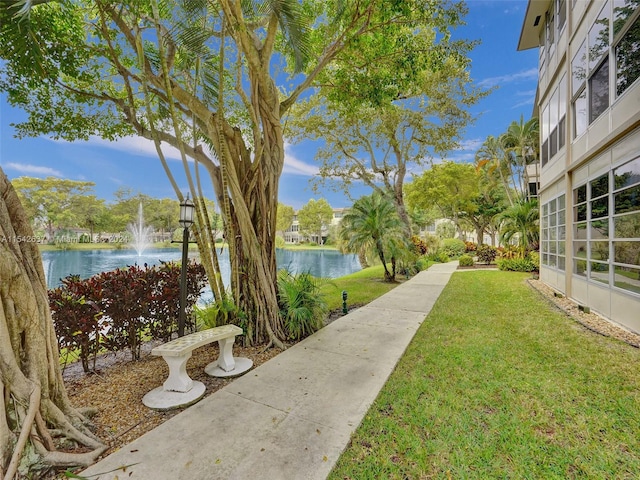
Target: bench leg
(178, 380)
(225, 360)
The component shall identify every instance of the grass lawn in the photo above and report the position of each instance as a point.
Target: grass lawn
(498, 384)
(361, 287)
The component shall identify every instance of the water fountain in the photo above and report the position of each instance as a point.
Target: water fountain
(140, 233)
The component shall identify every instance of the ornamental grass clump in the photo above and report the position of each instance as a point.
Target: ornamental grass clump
(302, 304)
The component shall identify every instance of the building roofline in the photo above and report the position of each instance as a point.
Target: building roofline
(532, 24)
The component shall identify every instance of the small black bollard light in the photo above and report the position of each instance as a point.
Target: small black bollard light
(344, 302)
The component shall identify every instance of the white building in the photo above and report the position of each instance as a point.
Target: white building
(589, 106)
(293, 235)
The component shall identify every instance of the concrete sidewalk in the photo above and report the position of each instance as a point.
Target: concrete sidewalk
(292, 417)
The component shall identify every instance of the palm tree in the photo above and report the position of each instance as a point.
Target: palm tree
(373, 223)
(521, 222)
(521, 141)
(494, 156)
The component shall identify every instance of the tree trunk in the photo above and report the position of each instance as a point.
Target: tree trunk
(33, 393)
(362, 258)
(248, 189)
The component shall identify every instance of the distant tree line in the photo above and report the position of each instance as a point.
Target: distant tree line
(56, 205)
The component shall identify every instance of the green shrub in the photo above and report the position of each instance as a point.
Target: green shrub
(445, 229)
(431, 242)
(78, 319)
(466, 261)
(119, 309)
(422, 264)
(301, 303)
(535, 259)
(486, 254)
(470, 247)
(221, 312)
(420, 245)
(516, 265)
(453, 247)
(280, 243)
(443, 257)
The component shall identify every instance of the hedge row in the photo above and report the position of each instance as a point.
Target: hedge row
(119, 309)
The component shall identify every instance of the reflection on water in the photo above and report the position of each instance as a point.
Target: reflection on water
(60, 264)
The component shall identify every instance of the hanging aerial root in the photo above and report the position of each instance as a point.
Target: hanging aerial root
(34, 406)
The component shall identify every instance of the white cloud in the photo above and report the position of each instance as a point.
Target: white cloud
(462, 158)
(133, 145)
(523, 103)
(33, 169)
(525, 75)
(528, 93)
(472, 144)
(136, 146)
(295, 166)
(144, 147)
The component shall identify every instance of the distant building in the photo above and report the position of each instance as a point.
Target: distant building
(589, 106)
(293, 234)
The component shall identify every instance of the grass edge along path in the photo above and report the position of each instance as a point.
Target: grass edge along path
(498, 384)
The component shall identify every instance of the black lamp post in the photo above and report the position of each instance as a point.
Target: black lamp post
(186, 220)
(344, 302)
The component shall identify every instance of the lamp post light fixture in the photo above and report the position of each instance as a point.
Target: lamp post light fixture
(344, 302)
(186, 220)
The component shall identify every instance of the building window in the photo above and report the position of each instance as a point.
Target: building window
(611, 50)
(599, 64)
(551, 47)
(553, 122)
(626, 31)
(562, 14)
(542, 52)
(562, 112)
(553, 233)
(626, 226)
(606, 228)
(578, 90)
(599, 91)
(580, 231)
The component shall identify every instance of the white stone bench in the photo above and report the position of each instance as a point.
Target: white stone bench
(179, 389)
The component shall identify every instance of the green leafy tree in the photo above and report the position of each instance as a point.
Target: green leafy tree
(450, 187)
(394, 102)
(313, 217)
(284, 217)
(163, 214)
(124, 210)
(489, 203)
(90, 212)
(49, 201)
(373, 223)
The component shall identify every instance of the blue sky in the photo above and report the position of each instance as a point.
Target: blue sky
(133, 162)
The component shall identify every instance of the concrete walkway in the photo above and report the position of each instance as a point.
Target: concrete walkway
(292, 417)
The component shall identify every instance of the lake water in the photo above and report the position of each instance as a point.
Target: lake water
(60, 264)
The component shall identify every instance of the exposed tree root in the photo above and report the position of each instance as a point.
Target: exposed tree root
(34, 402)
